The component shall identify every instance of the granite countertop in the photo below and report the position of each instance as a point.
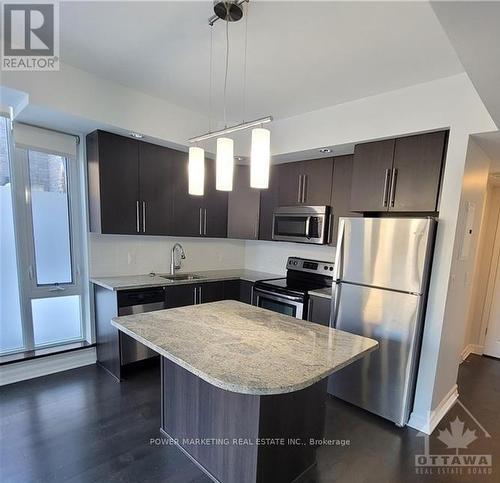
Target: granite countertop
(245, 349)
(322, 292)
(127, 282)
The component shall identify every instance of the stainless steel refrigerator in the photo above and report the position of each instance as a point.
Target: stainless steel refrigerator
(381, 278)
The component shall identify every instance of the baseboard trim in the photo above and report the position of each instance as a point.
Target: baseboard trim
(23, 370)
(471, 349)
(427, 424)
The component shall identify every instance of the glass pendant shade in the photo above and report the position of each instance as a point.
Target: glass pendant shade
(224, 164)
(196, 171)
(260, 158)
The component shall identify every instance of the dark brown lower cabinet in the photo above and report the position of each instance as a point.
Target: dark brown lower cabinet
(246, 291)
(318, 310)
(240, 290)
(193, 410)
(180, 295)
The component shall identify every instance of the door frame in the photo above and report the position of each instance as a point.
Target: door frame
(488, 301)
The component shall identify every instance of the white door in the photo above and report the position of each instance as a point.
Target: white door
(492, 341)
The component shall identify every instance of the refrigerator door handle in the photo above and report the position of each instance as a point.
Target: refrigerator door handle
(337, 268)
(334, 307)
(337, 273)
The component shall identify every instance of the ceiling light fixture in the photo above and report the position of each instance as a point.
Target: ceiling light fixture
(232, 11)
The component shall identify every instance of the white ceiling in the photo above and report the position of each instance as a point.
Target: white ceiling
(474, 31)
(302, 56)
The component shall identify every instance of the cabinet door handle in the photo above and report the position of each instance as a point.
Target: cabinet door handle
(205, 221)
(137, 225)
(385, 194)
(144, 217)
(393, 186)
(299, 192)
(199, 294)
(200, 219)
(194, 295)
(304, 188)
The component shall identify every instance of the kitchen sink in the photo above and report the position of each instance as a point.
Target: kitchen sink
(182, 276)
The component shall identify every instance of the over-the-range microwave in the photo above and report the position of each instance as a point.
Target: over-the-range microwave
(303, 224)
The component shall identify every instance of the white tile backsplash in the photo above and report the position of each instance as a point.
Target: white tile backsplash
(268, 256)
(112, 255)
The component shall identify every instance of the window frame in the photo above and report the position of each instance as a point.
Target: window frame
(25, 242)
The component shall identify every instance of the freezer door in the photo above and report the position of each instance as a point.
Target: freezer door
(392, 253)
(383, 381)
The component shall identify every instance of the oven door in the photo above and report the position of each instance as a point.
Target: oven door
(304, 227)
(283, 304)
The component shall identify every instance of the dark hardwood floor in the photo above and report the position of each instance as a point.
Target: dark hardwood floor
(83, 426)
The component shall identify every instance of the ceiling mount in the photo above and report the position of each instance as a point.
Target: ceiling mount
(228, 10)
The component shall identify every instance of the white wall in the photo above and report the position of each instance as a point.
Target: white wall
(271, 257)
(458, 298)
(112, 255)
(474, 337)
(95, 102)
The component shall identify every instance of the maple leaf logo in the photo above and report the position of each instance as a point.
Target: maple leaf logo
(457, 438)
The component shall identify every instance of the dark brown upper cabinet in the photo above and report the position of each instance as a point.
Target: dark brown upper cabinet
(416, 176)
(341, 194)
(306, 182)
(130, 185)
(371, 174)
(113, 182)
(398, 175)
(204, 216)
(269, 200)
(243, 206)
(156, 164)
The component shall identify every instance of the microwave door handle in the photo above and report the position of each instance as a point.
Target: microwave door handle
(308, 227)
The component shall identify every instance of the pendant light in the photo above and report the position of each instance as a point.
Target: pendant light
(196, 171)
(260, 158)
(224, 165)
(230, 11)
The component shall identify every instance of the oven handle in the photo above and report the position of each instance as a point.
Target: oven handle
(293, 298)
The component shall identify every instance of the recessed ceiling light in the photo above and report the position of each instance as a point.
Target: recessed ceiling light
(136, 135)
(325, 150)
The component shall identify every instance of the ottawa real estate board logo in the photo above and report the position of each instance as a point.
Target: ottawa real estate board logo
(30, 36)
(460, 445)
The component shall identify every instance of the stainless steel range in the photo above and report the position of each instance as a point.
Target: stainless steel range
(290, 295)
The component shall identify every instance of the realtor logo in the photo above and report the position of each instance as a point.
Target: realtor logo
(459, 446)
(30, 36)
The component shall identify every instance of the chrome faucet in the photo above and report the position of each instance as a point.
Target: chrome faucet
(173, 265)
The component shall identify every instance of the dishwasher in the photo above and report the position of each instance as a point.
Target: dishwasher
(136, 302)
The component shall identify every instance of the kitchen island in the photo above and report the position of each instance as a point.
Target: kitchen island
(243, 388)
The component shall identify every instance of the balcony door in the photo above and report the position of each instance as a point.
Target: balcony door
(41, 258)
